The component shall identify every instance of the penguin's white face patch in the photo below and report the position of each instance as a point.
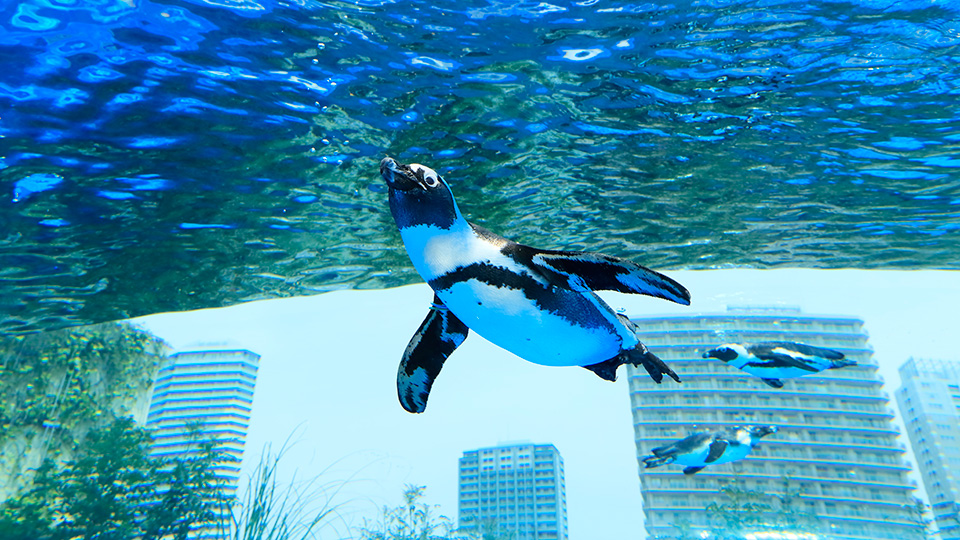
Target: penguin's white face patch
(419, 196)
(743, 357)
(743, 436)
(430, 177)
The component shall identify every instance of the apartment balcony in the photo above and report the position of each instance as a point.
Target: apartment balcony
(707, 424)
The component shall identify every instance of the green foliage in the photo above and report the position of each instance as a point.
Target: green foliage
(490, 529)
(413, 520)
(73, 379)
(748, 511)
(56, 386)
(113, 490)
(685, 531)
(742, 511)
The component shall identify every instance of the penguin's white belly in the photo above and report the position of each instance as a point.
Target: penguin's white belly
(776, 373)
(694, 459)
(508, 319)
(699, 458)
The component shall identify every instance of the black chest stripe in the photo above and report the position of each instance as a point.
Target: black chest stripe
(499, 277)
(573, 306)
(490, 274)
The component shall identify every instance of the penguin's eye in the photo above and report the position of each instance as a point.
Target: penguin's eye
(425, 176)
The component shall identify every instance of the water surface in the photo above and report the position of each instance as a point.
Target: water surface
(172, 155)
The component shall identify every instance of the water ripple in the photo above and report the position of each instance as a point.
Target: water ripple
(203, 147)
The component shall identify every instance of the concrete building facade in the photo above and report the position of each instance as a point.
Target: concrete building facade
(204, 394)
(837, 442)
(929, 401)
(515, 490)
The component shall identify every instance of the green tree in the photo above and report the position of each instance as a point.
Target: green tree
(74, 376)
(413, 520)
(789, 515)
(685, 531)
(113, 490)
(491, 529)
(743, 511)
(747, 511)
(485, 529)
(56, 386)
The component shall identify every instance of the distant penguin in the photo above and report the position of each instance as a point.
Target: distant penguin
(535, 303)
(775, 360)
(709, 448)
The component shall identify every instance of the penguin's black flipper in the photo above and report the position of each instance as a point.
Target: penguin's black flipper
(581, 270)
(782, 354)
(685, 445)
(717, 448)
(666, 450)
(438, 336)
(692, 470)
(775, 383)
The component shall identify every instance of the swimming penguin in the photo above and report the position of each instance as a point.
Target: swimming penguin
(775, 360)
(535, 303)
(709, 448)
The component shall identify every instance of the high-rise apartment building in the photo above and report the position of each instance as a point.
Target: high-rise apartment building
(204, 394)
(836, 445)
(516, 489)
(929, 400)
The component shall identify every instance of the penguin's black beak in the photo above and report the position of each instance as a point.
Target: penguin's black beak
(399, 176)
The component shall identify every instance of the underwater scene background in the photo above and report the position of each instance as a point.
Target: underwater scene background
(227, 151)
(163, 156)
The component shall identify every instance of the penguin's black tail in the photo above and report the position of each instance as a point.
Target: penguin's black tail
(843, 362)
(641, 356)
(656, 461)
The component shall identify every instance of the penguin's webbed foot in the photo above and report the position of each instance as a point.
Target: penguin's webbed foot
(641, 356)
(638, 356)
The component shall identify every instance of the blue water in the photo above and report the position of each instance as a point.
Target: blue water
(172, 155)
